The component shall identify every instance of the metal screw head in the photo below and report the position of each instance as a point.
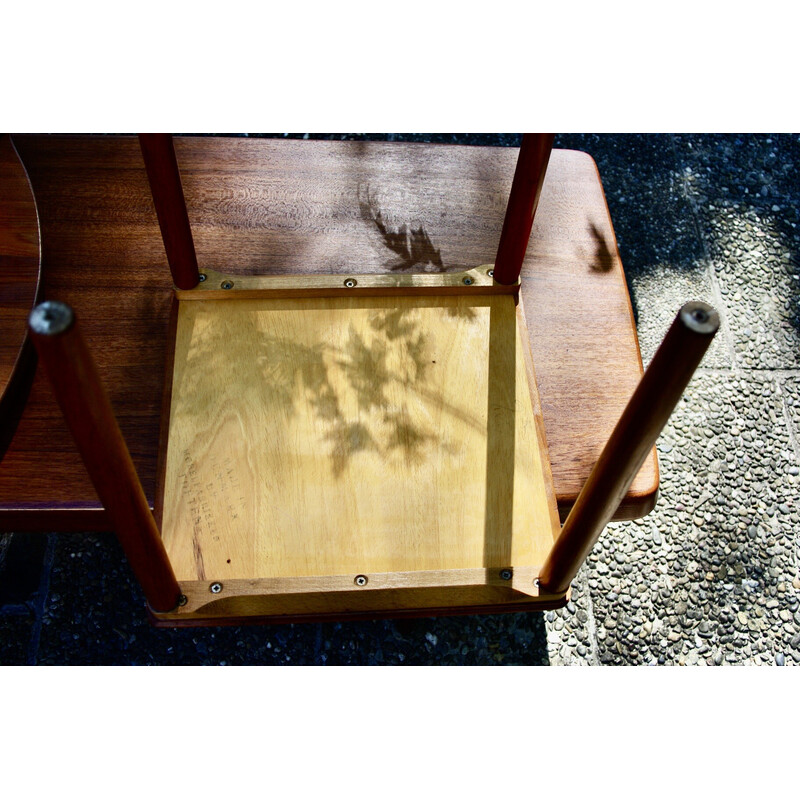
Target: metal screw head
(202, 277)
(536, 582)
(350, 283)
(51, 318)
(227, 285)
(699, 317)
(468, 281)
(215, 588)
(490, 273)
(183, 600)
(506, 574)
(361, 580)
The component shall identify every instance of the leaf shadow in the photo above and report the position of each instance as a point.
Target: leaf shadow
(411, 246)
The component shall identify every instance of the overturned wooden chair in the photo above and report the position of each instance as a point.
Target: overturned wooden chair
(352, 444)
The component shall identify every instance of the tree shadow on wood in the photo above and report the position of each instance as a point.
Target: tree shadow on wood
(366, 371)
(354, 390)
(346, 440)
(363, 391)
(410, 439)
(411, 246)
(500, 439)
(602, 261)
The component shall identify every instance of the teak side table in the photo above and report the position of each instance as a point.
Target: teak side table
(358, 441)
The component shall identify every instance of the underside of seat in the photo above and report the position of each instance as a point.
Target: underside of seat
(368, 435)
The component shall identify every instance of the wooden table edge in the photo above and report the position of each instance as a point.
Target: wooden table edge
(15, 394)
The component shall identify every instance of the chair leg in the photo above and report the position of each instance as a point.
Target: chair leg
(165, 184)
(534, 155)
(87, 410)
(647, 412)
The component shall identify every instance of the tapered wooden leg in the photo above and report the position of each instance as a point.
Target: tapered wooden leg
(656, 396)
(165, 185)
(534, 155)
(87, 410)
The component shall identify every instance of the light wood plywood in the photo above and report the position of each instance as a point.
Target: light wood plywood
(314, 437)
(393, 594)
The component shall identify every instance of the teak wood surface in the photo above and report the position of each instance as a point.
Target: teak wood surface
(158, 152)
(20, 273)
(72, 373)
(304, 207)
(434, 592)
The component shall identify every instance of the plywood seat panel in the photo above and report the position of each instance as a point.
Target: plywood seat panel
(332, 437)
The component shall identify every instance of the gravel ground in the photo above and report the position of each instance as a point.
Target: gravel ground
(710, 577)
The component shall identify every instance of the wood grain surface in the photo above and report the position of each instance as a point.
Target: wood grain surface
(350, 435)
(305, 207)
(164, 175)
(218, 286)
(20, 272)
(330, 596)
(635, 435)
(72, 374)
(526, 188)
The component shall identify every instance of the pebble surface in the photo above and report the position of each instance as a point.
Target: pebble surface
(710, 577)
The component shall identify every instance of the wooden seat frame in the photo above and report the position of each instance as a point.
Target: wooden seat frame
(469, 524)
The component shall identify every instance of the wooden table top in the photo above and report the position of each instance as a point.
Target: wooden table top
(19, 285)
(304, 207)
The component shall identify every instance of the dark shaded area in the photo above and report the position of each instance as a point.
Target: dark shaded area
(347, 440)
(95, 615)
(412, 246)
(12, 402)
(602, 258)
(653, 220)
(478, 139)
(21, 563)
(16, 631)
(757, 169)
(366, 371)
(757, 174)
(501, 426)
(410, 439)
(649, 178)
(25, 566)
